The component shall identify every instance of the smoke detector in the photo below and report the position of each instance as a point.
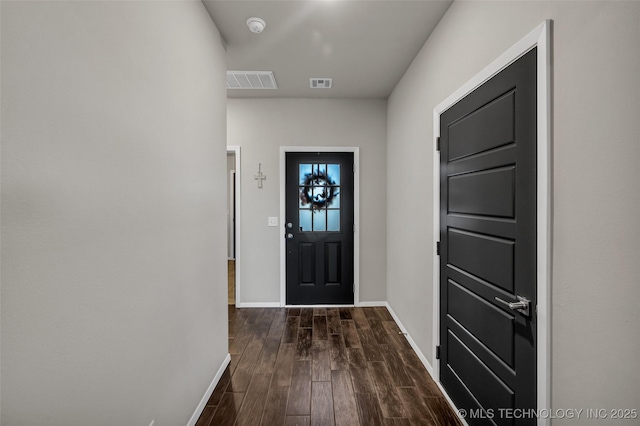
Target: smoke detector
(256, 25)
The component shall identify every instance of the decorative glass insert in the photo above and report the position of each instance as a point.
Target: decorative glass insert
(319, 189)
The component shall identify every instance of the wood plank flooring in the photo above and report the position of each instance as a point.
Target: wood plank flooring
(231, 273)
(323, 367)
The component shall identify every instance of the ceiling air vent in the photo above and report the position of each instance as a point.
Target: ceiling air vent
(320, 83)
(251, 80)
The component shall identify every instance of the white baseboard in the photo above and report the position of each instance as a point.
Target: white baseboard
(277, 305)
(451, 404)
(319, 306)
(200, 408)
(371, 304)
(426, 363)
(258, 305)
(413, 344)
(359, 304)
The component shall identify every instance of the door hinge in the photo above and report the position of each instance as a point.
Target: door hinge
(438, 143)
(438, 248)
(438, 352)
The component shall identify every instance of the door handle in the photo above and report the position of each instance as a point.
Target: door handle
(522, 305)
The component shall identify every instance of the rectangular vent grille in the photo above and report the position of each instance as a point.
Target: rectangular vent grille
(251, 80)
(320, 83)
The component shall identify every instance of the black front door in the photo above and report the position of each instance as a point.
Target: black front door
(488, 248)
(319, 228)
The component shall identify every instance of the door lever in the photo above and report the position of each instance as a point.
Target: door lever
(522, 305)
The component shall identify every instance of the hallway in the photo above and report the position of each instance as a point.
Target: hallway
(317, 366)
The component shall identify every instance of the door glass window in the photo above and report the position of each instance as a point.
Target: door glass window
(319, 188)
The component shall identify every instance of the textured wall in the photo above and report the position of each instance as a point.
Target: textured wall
(260, 127)
(113, 229)
(596, 202)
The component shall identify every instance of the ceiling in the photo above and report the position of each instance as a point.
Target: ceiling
(364, 45)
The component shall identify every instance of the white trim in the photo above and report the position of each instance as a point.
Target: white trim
(413, 344)
(258, 305)
(356, 213)
(236, 151)
(540, 37)
(423, 358)
(203, 402)
(360, 305)
(371, 304)
(231, 180)
(319, 306)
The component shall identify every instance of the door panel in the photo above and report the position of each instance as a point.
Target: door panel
(489, 324)
(487, 192)
(307, 263)
(319, 228)
(333, 263)
(486, 257)
(480, 379)
(488, 127)
(488, 245)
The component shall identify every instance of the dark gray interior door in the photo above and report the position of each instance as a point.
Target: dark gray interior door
(319, 228)
(488, 247)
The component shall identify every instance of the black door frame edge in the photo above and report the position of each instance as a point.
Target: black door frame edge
(356, 214)
(540, 37)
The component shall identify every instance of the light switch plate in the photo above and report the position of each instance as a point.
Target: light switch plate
(273, 221)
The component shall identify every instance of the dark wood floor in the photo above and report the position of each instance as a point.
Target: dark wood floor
(337, 366)
(231, 273)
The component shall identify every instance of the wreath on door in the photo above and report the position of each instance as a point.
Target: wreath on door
(318, 189)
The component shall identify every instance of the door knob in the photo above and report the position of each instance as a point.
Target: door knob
(522, 305)
(289, 235)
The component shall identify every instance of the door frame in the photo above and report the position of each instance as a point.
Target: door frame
(231, 244)
(234, 149)
(356, 217)
(540, 37)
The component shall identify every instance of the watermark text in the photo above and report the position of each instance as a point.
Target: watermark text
(555, 413)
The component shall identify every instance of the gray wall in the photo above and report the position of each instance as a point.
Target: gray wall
(596, 201)
(113, 233)
(260, 127)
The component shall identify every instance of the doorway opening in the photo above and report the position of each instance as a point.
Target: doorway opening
(233, 224)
